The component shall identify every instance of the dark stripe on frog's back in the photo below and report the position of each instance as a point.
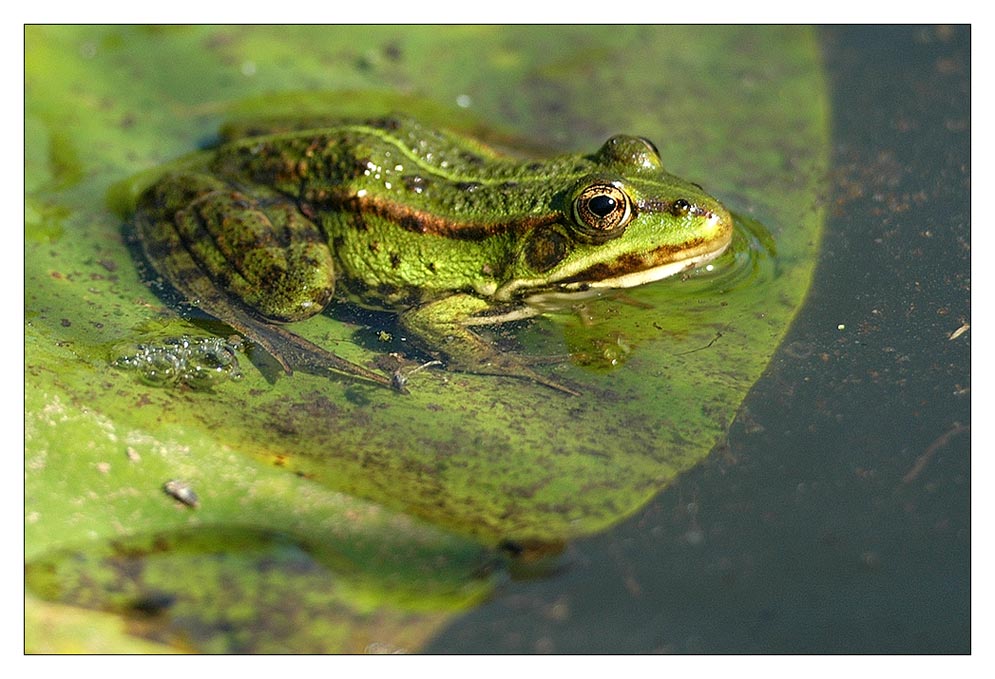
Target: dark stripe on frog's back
(423, 222)
(307, 168)
(435, 221)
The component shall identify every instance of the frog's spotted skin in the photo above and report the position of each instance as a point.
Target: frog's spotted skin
(437, 227)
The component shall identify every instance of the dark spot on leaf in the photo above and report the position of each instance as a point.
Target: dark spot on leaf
(392, 51)
(152, 603)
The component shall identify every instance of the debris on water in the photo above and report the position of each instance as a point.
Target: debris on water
(959, 331)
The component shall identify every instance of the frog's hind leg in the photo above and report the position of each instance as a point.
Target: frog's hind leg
(261, 251)
(248, 262)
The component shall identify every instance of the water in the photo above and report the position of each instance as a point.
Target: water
(836, 519)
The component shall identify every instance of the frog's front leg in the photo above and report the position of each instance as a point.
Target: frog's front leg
(441, 327)
(249, 261)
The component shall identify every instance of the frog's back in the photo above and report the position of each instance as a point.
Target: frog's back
(429, 181)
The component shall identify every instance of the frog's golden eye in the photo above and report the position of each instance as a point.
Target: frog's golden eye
(602, 210)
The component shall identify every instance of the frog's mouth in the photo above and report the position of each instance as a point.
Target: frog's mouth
(627, 272)
(638, 269)
(623, 271)
(567, 292)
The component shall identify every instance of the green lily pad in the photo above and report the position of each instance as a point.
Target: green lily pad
(244, 590)
(102, 533)
(391, 484)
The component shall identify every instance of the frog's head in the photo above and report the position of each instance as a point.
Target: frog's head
(624, 223)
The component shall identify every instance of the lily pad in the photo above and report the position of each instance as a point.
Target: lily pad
(244, 590)
(102, 533)
(465, 462)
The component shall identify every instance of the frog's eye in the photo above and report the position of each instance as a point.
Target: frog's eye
(602, 210)
(636, 154)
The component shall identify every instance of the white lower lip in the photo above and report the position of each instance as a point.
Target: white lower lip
(631, 280)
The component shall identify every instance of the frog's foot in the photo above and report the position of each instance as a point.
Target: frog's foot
(546, 360)
(439, 326)
(501, 363)
(508, 366)
(293, 352)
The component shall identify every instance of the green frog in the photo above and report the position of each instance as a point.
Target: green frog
(449, 233)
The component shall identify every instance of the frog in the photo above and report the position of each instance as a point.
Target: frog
(281, 220)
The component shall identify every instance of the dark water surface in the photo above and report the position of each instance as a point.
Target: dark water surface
(837, 517)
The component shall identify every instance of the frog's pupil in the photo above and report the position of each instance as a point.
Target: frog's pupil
(602, 206)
